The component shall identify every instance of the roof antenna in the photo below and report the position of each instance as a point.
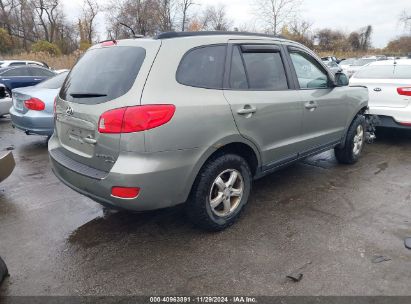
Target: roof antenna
(131, 30)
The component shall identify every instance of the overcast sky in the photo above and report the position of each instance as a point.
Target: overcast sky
(346, 15)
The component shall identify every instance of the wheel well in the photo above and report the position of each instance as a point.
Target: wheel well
(242, 150)
(360, 112)
(363, 110)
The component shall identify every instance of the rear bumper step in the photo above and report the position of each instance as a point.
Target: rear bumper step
(65, 161)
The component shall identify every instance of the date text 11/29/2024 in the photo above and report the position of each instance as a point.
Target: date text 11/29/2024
(236, 299)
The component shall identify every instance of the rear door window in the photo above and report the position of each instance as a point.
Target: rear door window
(258, 67)
(238, 76)
(265, 71)
(16, 72)
(103, 74)
(38, 72)
(17, 63)
(203, 67)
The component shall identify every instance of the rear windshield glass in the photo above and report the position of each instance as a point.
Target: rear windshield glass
(376, 72)
(402, 72)
(385, 72)
(361, 62)
(103, 74)
(53, 83)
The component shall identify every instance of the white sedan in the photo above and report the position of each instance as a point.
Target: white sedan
(389, 85)
(5, 101)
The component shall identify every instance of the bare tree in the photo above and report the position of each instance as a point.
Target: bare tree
(166, 15)
(405, 19)
(365, 37)
(49, 16)
(6, 9)
(274, 14)
(87, 22)
(354, 41)
(215, 19)
(184, 6)
(140, 16)
(300, 31)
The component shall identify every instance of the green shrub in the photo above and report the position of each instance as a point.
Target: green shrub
(84, 45)
(6, 42)
(46, 47)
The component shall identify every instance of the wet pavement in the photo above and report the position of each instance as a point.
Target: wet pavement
(342, 227)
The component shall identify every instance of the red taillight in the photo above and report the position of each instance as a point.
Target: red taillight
(135, 119)
(124, 192)
(405, 124)
(109, 43)
(404, 91)
(35, 104)
(111, 121)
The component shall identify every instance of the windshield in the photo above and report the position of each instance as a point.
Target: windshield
(103, 74)
(53, 83)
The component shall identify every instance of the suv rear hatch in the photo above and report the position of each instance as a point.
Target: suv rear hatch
(109, 76)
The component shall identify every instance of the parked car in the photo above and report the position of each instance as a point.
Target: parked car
(358, 64)
(5, 101)
(25, 76)
(389, 85)
(15, 63)
(333, 66)
(32, 109)
(7, 165)
(330, 59)
(346, 63)
(61, 71)
(195, 117)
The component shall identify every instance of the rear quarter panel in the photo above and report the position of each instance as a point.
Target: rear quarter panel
(203, 116)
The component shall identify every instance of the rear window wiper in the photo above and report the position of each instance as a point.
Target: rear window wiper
(87, 95)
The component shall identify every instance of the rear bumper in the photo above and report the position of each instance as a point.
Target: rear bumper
(389, 122)
(33, 122)
(165, 179)
(393, 117)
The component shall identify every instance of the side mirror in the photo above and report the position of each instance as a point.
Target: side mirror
(341, 80)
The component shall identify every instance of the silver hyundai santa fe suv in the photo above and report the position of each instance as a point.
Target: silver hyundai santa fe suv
(194, 118)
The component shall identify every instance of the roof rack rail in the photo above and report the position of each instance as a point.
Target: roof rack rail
(171, 35)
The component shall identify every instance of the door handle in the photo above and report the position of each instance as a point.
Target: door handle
(311, 105)
(247, 110)
(90, 140)
(37, 79)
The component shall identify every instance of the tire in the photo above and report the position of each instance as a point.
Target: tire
(3, 270)
(9, 92)
(230, 198)
(354, 142)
